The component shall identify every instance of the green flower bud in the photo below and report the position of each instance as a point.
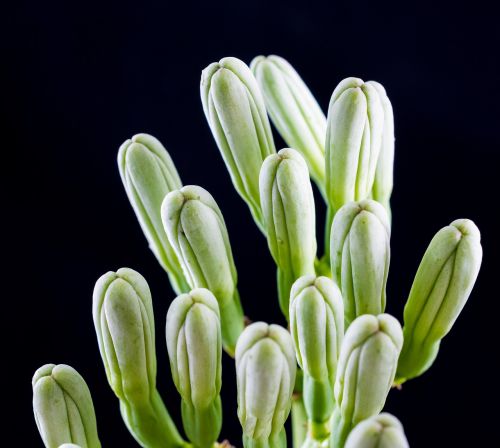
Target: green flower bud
(195, 349)
(381, 431)
(265, 372)
(360, 256)
(63, 407)
(148, 174)
(366, 370)
(383, 182)
(442, 285)
(124, 323)
(317, 327)
(288, 207)
(237, 117)
(69, 445)
(294, 111)
(197, 231)
(353, 139)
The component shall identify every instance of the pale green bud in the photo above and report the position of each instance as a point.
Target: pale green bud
(353, 141)
(366, 370)
(195, 349)
(63, 408)
(237, 117)
(69, 445)
(382, 431)
(360, 256)
(442, 285)
(317, 328)
(197, 231)
(148, 174)
(265, 372)
(288, 207)
(384, 174)
(294, 111)
(124, 323)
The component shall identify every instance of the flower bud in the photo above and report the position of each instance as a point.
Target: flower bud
(383, 181)
(442, 285)
(148, 174)
(294, 111)
(265, 372)
(197, 231)
(317, 327)
(381, 431)
(63, 408)
(366, 369)
(288, 207)
(360, 256)
(237, 117)
(69, 445)
(195, 349)
(124, 323)
(353, 140)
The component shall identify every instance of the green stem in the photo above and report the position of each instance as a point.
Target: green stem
(299, 416)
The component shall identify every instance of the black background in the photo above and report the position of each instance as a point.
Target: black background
(78, 79)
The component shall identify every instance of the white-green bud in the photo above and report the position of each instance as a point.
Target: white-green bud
(317, 328)
(195, 348)
(360, 257)
(124, 323)
(197, 231)
(294, 111)
(63, 408)
(288, 207)
(265, 371)
(442, 285)
(237, 117)
(353, 140)
(148, 174)
(381, 431)
(366, 370)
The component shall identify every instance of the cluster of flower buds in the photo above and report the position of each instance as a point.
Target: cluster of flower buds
(335, 366)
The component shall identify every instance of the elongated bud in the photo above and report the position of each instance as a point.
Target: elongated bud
(442, 285)
(294, 111)
(197, 231)
(317, 327)
(353, 139)
(195, 348)
(63, 408)
(265, 371)
(360, 256)
(366, 370)
(288, 207)
(237, 117)
(148, 174)
(124, 323)
(383, 182)
(382, 431)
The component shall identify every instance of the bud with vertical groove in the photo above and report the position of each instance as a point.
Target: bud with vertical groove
(63, 408)
(353, 139)
(197, 231)
(148, 174)
(236, 114)
(294, 111)
(442, 285)
(288, 207)
(124, 323)
(265, 372)
(195, 348)
(317, 328)
(384, 174)
(366, 370)
(360, 257)
(382, 431)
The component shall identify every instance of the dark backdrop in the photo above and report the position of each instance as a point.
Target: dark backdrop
(78, 79)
